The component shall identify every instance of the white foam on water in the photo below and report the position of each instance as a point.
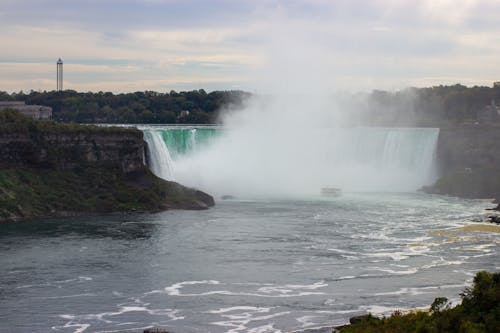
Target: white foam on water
(80, 328)
(396, 256)
(267, 290)
(391, 271)
(306, 321)
(75, 320)
(238, 308)
(408, 291)
(239, 317)
(442, 262)
(342, 251)
(330, 301)
(288, 288)
(410, 251)
(174, 290)
(269, 328)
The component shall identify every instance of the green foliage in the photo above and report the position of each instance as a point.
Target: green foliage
(478, 313)
(439, 304)
(138, 107)
(434, 106)
(12, 121)
(29, 193)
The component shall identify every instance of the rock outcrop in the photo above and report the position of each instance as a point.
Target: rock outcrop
(69, 147)
(469, 161)
(51, 169)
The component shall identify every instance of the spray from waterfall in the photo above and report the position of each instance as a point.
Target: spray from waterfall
(244, 164)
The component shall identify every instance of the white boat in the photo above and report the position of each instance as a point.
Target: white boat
(331, 191)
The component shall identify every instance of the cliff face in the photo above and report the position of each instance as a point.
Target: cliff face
(469, 161)
(67, 150)
(51, 169)
(469, 146)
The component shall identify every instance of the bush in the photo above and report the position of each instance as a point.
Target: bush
(478, 313)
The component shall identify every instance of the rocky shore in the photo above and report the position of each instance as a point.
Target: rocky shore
(49, 169)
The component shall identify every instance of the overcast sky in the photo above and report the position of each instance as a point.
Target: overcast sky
(254, 45)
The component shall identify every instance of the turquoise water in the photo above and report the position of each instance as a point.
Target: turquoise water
(182, 140)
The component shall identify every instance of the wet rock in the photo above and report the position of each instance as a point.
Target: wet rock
(494, 219)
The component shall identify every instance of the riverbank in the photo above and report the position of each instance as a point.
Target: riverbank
(477, 313)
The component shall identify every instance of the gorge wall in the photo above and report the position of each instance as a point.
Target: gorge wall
(70, 148)
(469, 161)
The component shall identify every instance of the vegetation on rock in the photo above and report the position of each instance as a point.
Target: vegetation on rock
(29, 193)
(478, 313)
(54, 169)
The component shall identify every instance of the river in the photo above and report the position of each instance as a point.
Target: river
(242, 266)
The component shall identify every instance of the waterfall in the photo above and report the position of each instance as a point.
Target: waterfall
(294, 161)
(159, 156)
(382, 159)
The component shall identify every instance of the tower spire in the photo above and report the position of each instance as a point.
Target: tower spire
(59, 75)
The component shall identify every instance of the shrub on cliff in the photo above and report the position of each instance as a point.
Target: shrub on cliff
(12, 121)
(30, 193)
(478, 313)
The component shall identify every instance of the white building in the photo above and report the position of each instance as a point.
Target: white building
(33, 111)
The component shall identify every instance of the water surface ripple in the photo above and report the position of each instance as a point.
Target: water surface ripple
(243, 266)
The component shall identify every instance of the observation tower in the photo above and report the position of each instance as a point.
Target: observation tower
(59, 75)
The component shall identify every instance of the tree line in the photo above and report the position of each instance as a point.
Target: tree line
(146, 107)
(434, 106)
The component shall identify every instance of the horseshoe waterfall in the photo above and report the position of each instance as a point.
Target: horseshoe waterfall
(294, 163)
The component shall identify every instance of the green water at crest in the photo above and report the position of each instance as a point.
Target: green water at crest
(186, 140)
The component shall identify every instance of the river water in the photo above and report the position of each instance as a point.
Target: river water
(242, 266)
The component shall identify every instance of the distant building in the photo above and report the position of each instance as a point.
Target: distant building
(33, 111)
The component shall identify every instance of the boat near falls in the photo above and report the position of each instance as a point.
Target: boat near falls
(331, 191)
